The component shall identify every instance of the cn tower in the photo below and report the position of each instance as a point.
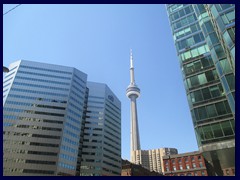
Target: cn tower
(133, 92)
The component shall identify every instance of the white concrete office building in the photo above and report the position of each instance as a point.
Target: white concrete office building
(101, 153)
(44, 115)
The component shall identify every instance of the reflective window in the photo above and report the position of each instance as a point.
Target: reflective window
(207, 132)
(231, 81)
(225, 66)
(227, 129)
(217, 130)
(220, 108)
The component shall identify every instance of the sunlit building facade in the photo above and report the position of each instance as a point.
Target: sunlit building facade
(45, 116)
(101, 152)
(152, 159)
(204, 36)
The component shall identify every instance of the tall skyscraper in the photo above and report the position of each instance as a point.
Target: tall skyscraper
(133, 92)
(204, 36)
(101, 152)
(47, 117)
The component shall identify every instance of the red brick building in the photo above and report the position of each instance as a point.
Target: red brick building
(186, 164)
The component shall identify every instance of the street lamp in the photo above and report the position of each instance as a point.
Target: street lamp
(5, 69)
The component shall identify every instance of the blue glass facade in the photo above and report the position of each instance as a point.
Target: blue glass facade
(207, 63)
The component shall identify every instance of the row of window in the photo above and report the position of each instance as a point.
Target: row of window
(43, 75)
(201, 79)
(95, 102)
(113, 105)
(92, 134)
(95, 97)
(22, 151)
(94, 123)
(43, 113)
(112, 158)
(77, 89)
(70, 118)
(185, 160)
(112, 129)
(67, 166)
(194, 52)
(198, 65)
(40, 86)
(67, 157)
(36, 98)
(38, 92)
(110, 145)
(216, 130)
(80, 79)
(34, 105)
(65, 139)
(71, 112)
(75, 107)
(118, 111)
(44, 69)
(210, 111)
(12, 117)
(180, 167)
(28, 171)
(42, 80)
(109, 114)
(181, 13)
(228, 17)
(176, 7)
(71, 134)
(79, 84)
(11, 142)
(186, 31)
(110, 139)
(77, 94)
(67, 124)
(69, 149)
(38, 127)
(111, 164)
(190, 41)
(76, 100)
(113, 135)
(112, 124)
(184, 21)
(112, 152)
(206, 94)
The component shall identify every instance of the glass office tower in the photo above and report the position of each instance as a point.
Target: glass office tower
(46, 116)
(101, 152)
(204, 36)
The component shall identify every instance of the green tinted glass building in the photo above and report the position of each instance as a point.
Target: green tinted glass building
(204, 36)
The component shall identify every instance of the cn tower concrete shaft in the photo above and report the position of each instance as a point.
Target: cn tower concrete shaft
(133, 92)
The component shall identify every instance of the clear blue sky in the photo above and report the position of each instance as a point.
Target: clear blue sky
(96, 39)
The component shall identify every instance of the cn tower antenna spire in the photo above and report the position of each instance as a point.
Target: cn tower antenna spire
(131, 59)
(132, 80)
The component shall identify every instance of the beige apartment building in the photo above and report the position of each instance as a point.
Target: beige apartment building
(152, 159)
